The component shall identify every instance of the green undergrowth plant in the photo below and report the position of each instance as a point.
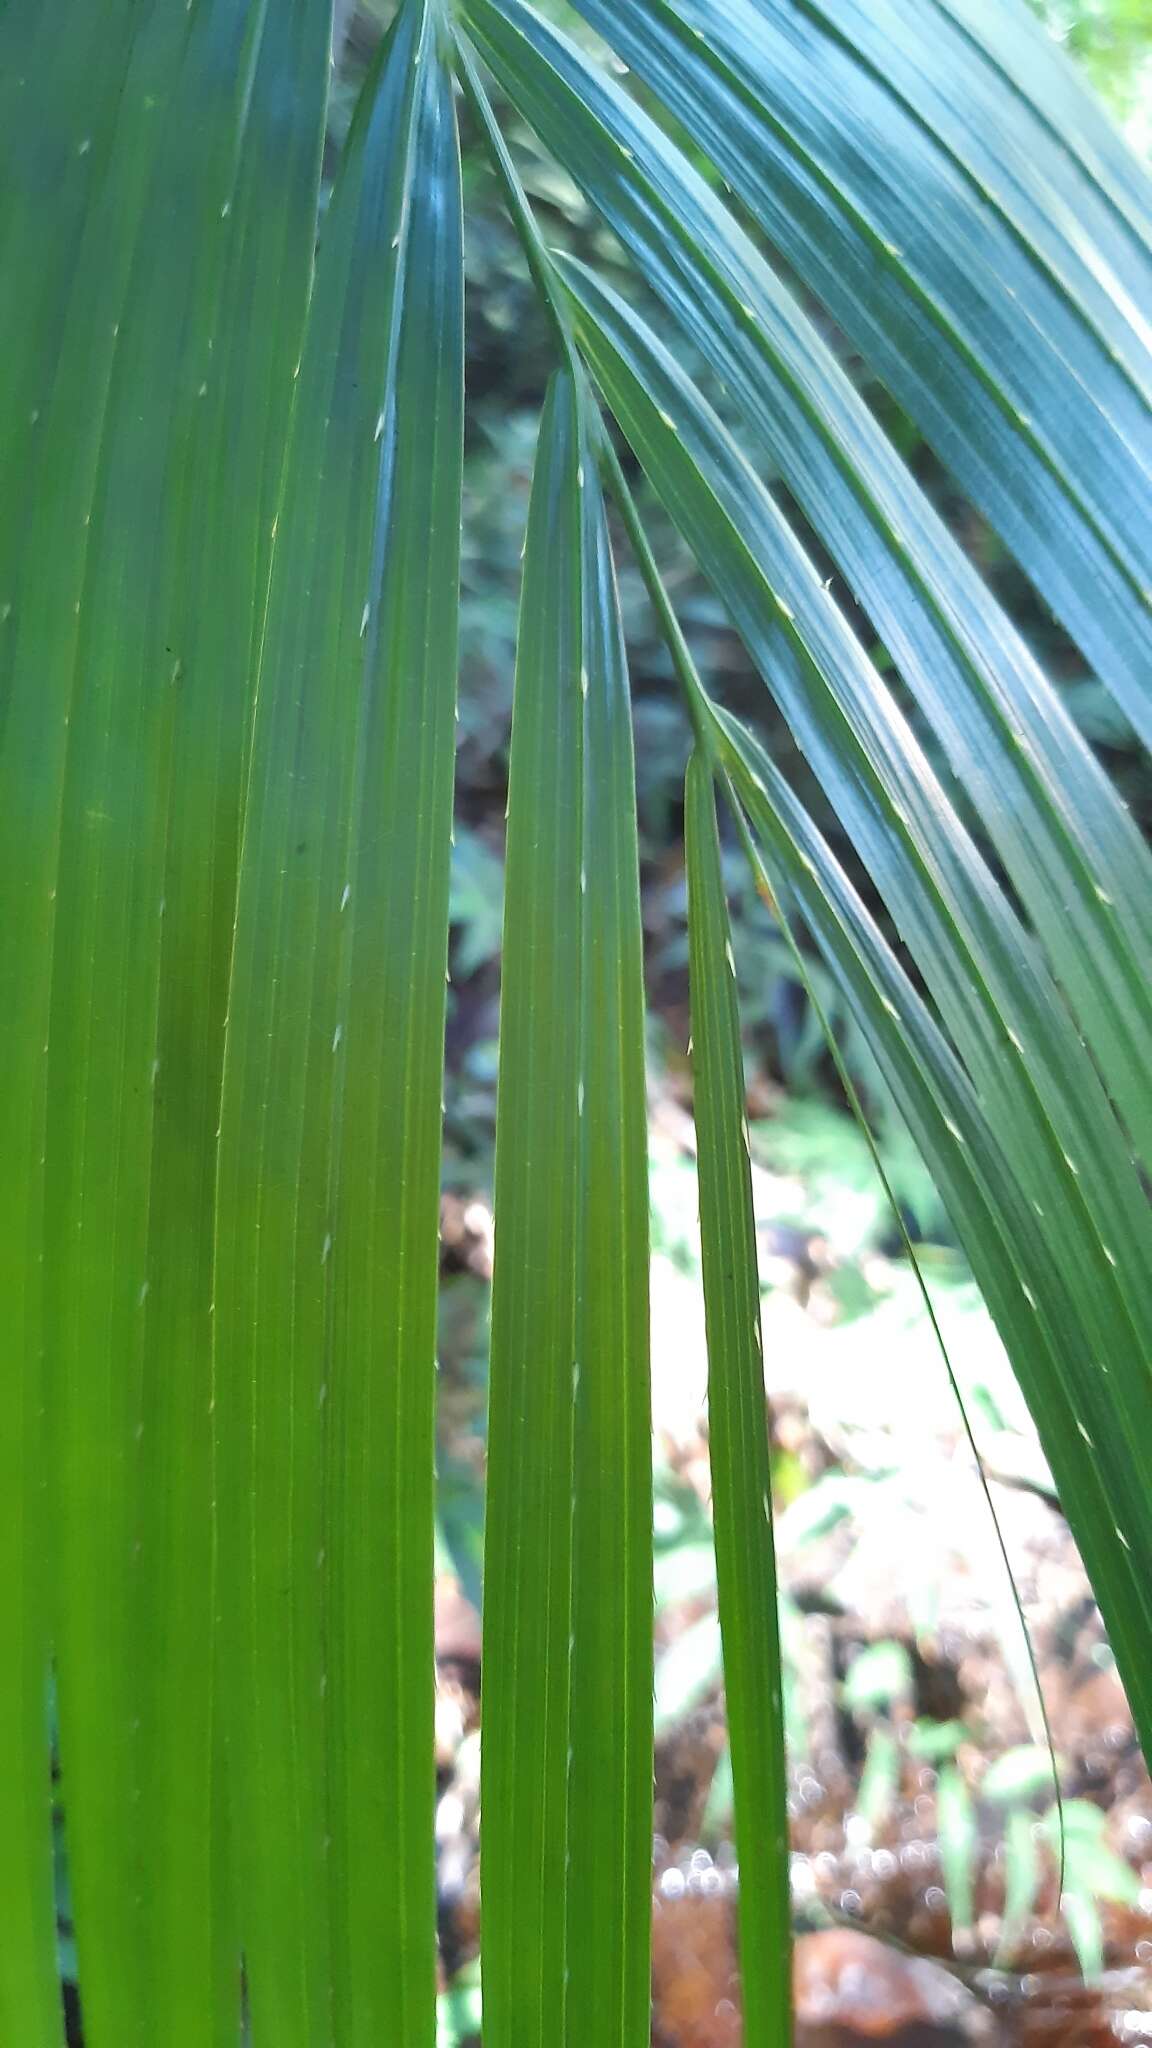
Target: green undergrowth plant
(229, 562)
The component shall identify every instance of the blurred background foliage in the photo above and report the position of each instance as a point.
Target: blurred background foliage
(1113, 41)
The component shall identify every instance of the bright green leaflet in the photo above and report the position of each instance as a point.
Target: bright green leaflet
(568, 1569)
(126, 711)
(330, 1131)
(609, 1791)
(737, 1437)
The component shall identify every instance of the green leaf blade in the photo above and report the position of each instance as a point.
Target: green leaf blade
(1020, 357)
(1026, 1263)
(391, 1115)
(329, 1161)
(738, 1438)
(528, 1526)
(1000, 1005)
(567, 1756)
(1078, 863)
(122, 893)
(610, 1783)
(42, 568)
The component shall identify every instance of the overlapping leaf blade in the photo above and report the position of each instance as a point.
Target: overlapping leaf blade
(330, 1129)
(797, 412)
(1026, 118)
(979, 963)
(567, 1743)
(1024, 1261)
(1036, 1086)
(986, 279)
(1044, 1102)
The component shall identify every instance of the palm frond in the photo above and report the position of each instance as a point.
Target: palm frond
(229, 572)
